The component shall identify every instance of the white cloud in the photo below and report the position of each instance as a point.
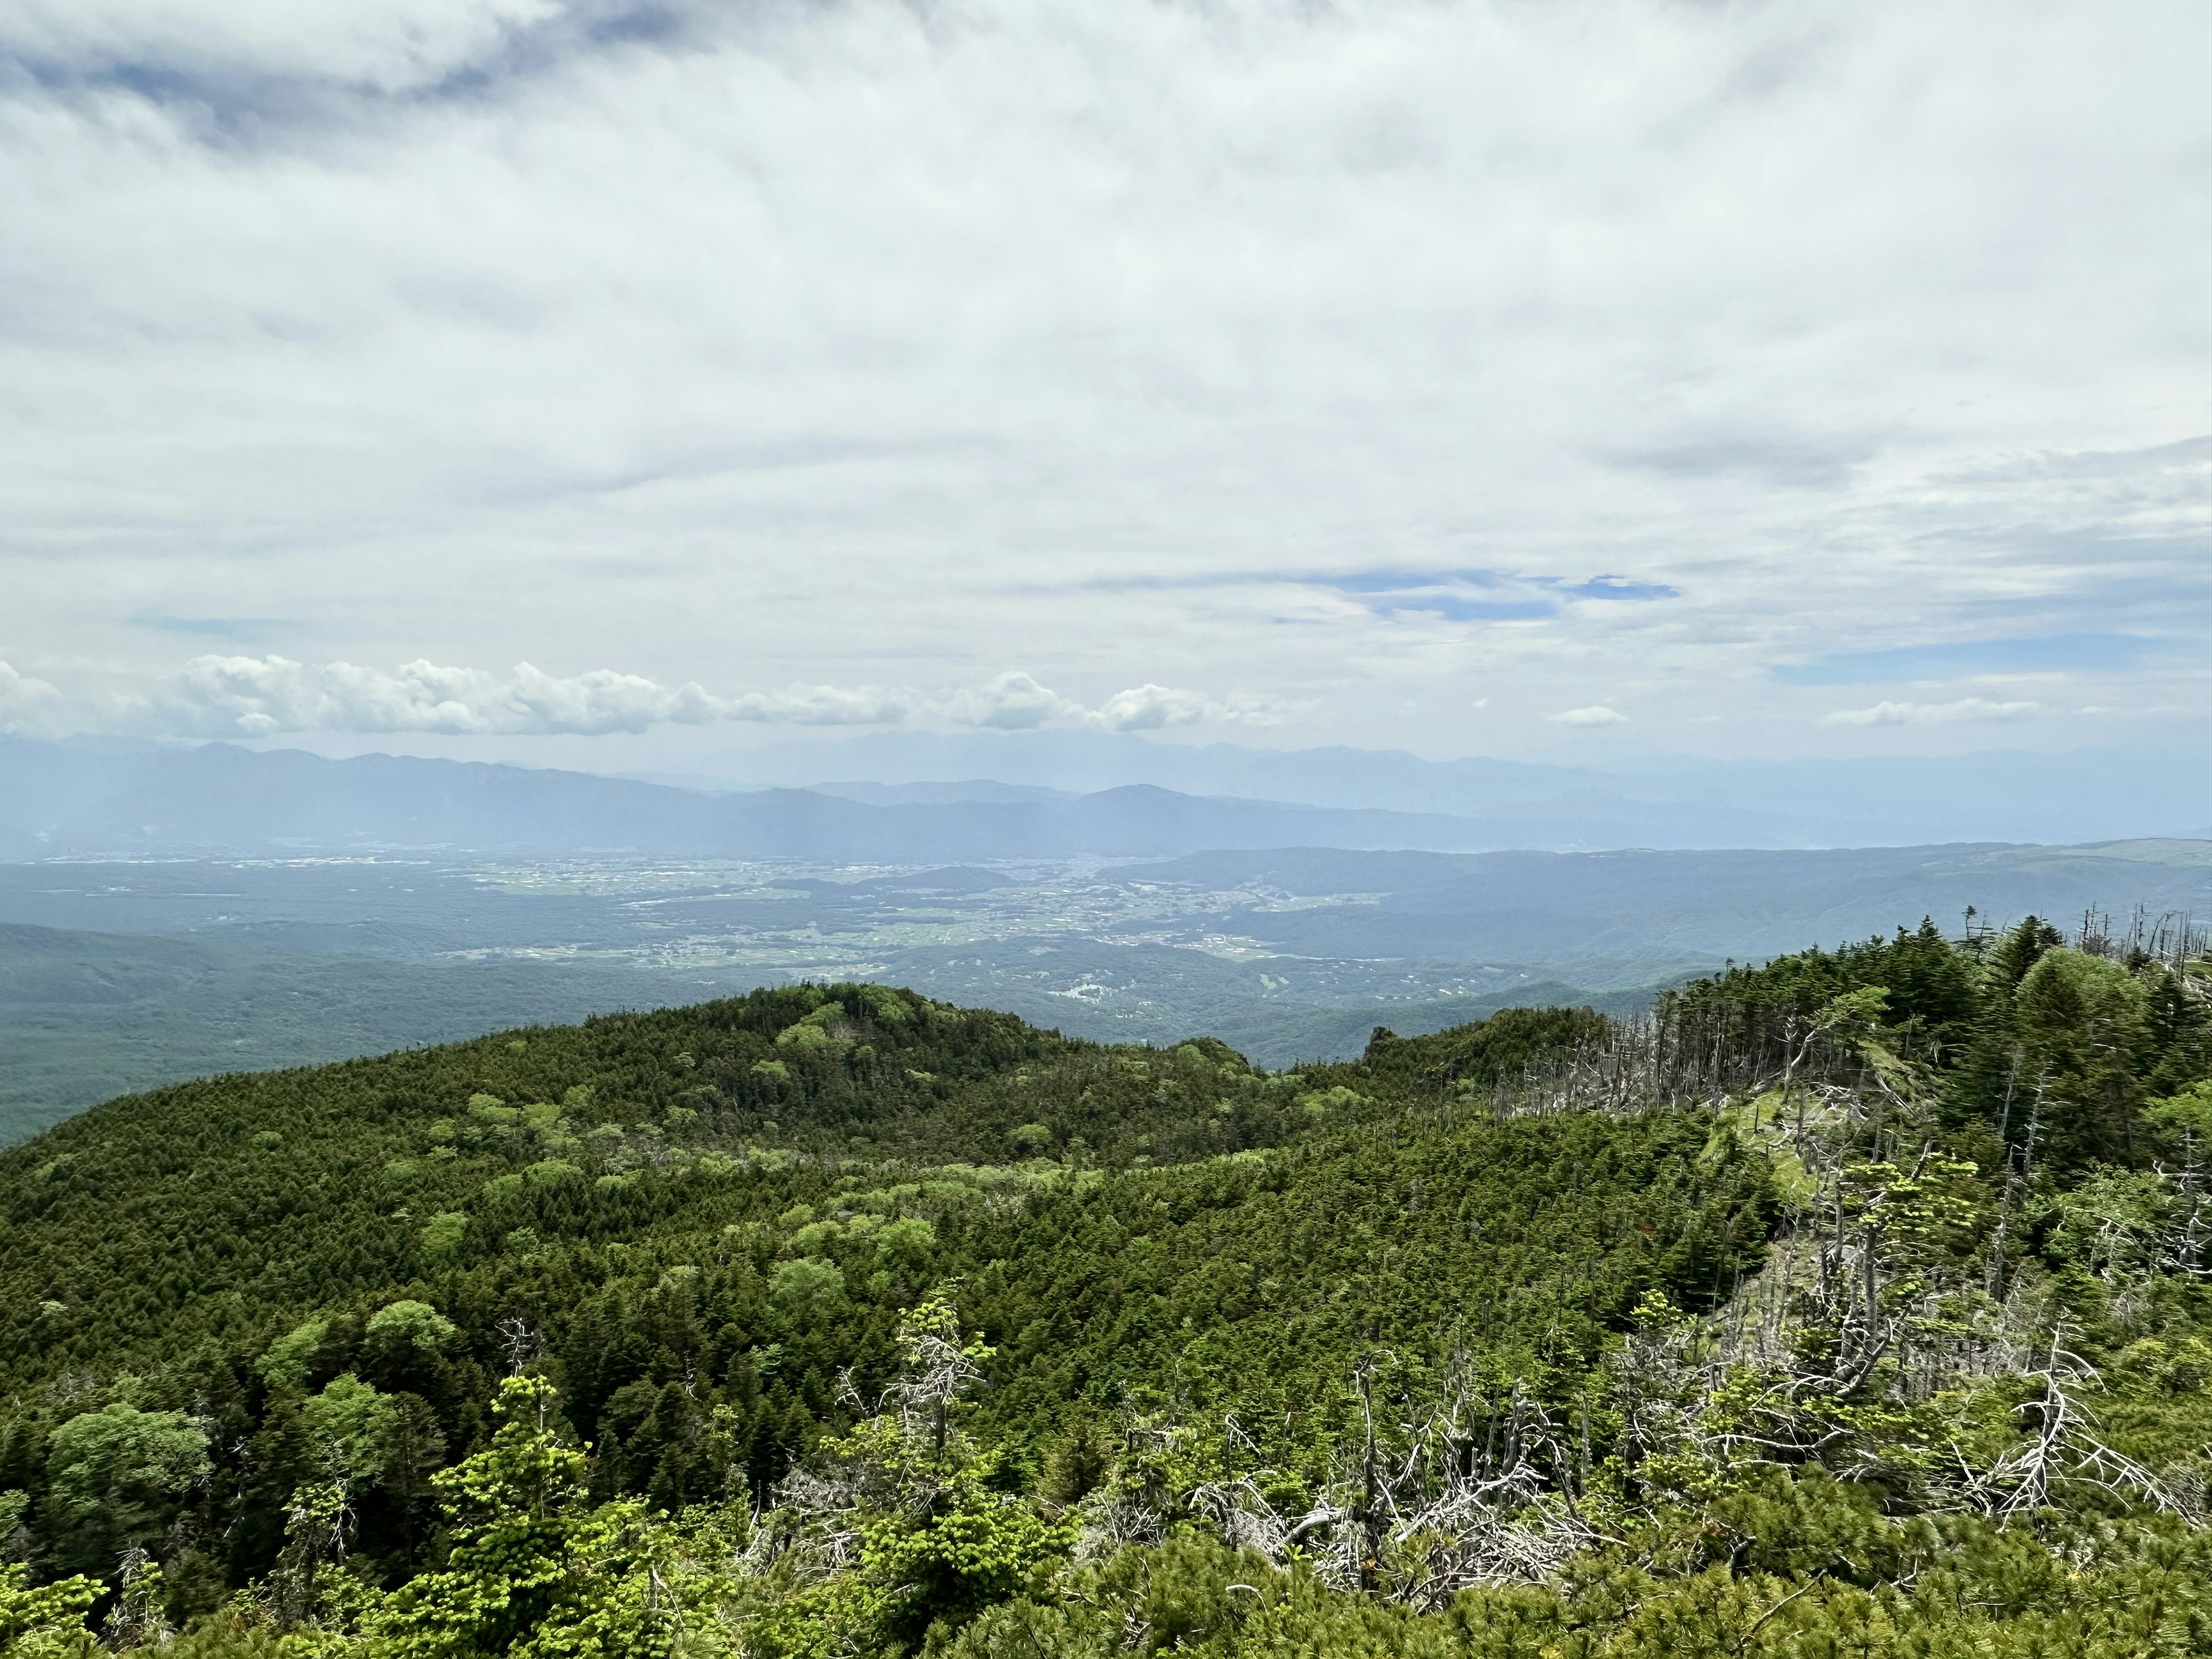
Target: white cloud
(822, 705)
(424, 697)
(235, 696)
(250, 696)
(1596, 715)
(1148, 708)
(24, 702)
(1932, 713)
(261, 696)
(1259, 709)
(1011, 702)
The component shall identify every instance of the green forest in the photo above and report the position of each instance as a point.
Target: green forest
(1857, 1303)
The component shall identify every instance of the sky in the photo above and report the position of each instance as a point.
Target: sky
(612, 384)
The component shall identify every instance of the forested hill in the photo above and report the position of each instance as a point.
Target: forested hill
(1857, 1298)
(808, 1163)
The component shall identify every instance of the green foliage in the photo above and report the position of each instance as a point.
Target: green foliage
(807, 1282)
(841, 1343)
(2079, 1026)
(1933, 989)
(2115, 1222)
(2044, 1055)
(125, 1462)
(44, 1619)
(531, 1570)
(292, 1356)
(1494, 1050)
(1248, 1283)
(114, 1479)
(2069, 1046)
(412, 1325)
(347, 1421)
(444, 1233)
(1799, 1568)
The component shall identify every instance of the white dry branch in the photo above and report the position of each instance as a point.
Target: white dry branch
(1446, 1511)
(2063, 1449)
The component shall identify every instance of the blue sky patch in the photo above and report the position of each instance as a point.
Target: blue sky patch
(1453, 608)
(1406, 581)
(1619, 587)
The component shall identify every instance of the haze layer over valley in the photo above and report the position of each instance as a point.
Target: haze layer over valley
(174, 911)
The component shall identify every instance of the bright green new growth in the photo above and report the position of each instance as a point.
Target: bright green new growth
(112, 1474)
(415, 1324)
(286, 1363)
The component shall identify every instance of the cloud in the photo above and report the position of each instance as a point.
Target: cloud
(1596, 715)
(261, 696)
(1011, 702)
(1014, 701)
(1932, 713)
(1256, 708)
(1792, 462)
(2047, 655)
(219, 696)
(221, 627)
(932, 337)
(1148, 708)
(24, 702)
(822, 705)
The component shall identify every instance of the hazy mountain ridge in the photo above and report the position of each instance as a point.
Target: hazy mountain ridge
(2091, 794)
(223, 798)
(90, 796)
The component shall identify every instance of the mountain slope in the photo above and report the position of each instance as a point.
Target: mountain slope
(706, 1191)
(86, 1016)
(1766, 1326)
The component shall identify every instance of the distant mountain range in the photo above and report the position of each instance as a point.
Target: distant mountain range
(132, 800)
(107, 797)
(2012, 795)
